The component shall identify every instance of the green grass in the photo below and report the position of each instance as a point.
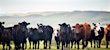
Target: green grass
(53, 47)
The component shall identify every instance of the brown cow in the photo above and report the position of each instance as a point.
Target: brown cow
(107, 34)
(82, 31)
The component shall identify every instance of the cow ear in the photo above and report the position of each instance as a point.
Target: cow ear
(81, 25)
(3, 22)
(38, 25)
(73, 26)
(68, 25)
(20, 23)
(94, 24)
(60, 24)
(107, 24)
(89, 25)
(15, 26)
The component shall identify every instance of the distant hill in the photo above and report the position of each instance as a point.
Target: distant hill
(63, 13)
(54, 18)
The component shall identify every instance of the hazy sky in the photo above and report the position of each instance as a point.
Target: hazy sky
(22, 6)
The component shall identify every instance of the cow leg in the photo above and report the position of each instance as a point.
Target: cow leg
(8, 44)
(35, 44)
(71, 44)
(107, 44)
(50, 44)
(45, 44)
(3, 45)
(66, 44)
(23, 46)
(58, 44)
(38, 44)
(86, 44)
(78, 44)
(83, 44)
(94, 43)
(30, 44)
(75, 44)
(99, 43)
(17, 46)
(91, 43)
(63, 43)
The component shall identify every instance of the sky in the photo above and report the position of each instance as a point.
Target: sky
(24, 6)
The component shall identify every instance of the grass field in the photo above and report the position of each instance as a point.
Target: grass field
(53, 47)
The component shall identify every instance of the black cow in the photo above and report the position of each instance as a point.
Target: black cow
(46, 32)
(33, 36)
(6, 36)
(63, 35)
(20, 34)
(1, 29)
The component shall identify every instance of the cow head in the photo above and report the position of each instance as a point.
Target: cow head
(97, 26)
(23, 26)
(41, 28)
(63, 27)
(2, 23)
(24, 23)
(97, 29)
(77, 28)
(108, 26)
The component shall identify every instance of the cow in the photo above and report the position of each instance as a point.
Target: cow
(33, 36)
(63, 35)
(98, 33)
(46, 32)
(82, 32)
(20, 34)
(1, 29)
(57, 40)
(6, 37)
(107, 34)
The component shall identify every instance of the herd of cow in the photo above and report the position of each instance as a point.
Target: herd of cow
(65, 35)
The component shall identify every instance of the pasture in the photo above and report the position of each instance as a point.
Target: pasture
(53, 46)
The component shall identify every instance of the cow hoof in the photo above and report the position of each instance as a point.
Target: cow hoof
(82, 47)
(71, 47)
(106, 47)
(49, 47)
(45, 47)
(94, 46)
(9, 47)
(91, 46)
(33, 47)
(58, 47)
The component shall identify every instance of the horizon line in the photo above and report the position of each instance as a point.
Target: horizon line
(49, 11)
